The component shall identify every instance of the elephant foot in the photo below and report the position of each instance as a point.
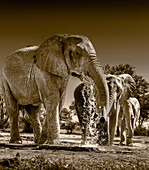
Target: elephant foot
(121, 144)
(37, 141)
(130, 144)
(42, 140)
(53, 142)
(37, 138)
(110, 141)
(15, 141)
(43, 137)
(129, 141)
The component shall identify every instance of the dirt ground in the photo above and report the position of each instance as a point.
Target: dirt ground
(72, 155)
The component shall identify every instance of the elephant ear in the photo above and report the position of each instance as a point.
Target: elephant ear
(132, 84)
(129, 82)
(50, 58)
(70, 45)
(119, 88)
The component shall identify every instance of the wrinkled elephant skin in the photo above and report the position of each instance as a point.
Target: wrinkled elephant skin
(40, 74)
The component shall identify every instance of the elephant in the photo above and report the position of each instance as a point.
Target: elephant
(134, 114)
(39, 74)
(86, 109)
(121, 110)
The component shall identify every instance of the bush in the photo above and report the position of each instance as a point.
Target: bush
(37, 162)
(69, 126)
(141, 131)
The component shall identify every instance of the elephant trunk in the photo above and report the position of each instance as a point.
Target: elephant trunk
(112, 114)
(96, 73)
(112, 99)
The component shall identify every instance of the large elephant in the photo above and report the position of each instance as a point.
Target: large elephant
(40, 74)
(121, 111)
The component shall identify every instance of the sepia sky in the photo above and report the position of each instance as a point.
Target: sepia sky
(119, 31)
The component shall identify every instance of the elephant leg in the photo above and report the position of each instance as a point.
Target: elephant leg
(43, 136)
(133, 120)
(13, 111)
(84, 134)
(123, 128)
(33, 112)
(128, 123)
(49, 86)
(15, 134)
(112, 125)
(46, 135)
(83, 122)
(84, 128)
(53, 126)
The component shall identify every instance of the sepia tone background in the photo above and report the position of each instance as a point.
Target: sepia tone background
(119, 31)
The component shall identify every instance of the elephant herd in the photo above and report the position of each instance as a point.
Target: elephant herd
(39, 74)
(124, 110)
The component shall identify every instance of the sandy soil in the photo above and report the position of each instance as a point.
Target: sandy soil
(94, 157)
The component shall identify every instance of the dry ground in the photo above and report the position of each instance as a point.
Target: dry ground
(72, 155)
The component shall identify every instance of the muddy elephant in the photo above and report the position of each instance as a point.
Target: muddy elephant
(92, 122)
(85, 106)
(95, 118)
(35, 75)
(121, 86)
(134, 114)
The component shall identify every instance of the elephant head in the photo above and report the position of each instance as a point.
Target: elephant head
(115, 90)
(64, 55)
(128, 84)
